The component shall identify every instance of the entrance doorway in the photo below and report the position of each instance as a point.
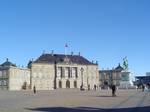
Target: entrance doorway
(75, 84)
(60, 84)
(67, 84)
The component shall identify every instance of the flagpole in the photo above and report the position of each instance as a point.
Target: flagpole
(66, 46)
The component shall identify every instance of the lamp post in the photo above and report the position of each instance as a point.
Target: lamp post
(111, 78)
(82, 78)
(88, 86)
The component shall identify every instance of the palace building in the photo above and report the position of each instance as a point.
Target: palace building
(110, 77)
(50, 71)
(119, 76)
(13, 77)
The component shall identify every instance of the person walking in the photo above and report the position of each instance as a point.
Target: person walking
(95, 87)
(34, 90)
(113, 90)
(89, 87)
(143, 88)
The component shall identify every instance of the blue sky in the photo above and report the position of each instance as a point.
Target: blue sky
(102, 30)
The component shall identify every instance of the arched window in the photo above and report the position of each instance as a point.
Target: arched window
(24, 86)
(75, 84)
(4, 82)
(67, 84)
(60, 84)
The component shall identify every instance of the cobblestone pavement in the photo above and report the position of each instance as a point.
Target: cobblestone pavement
(74, 101)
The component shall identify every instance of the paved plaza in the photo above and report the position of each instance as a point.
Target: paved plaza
(74, 101)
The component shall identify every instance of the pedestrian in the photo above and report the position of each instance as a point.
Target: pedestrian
(138, 87)
(113, 90)
(143, 87)
(34, 90)
(148, 87)
(89, 87)
(94, 87)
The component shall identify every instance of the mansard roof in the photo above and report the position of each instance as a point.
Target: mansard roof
(8, 63)
(60, 58)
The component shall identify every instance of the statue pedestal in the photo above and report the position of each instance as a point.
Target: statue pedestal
(126, 82)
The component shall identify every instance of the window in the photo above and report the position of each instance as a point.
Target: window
(4, 73)
(4, 82)
(75, 84)
(67, 72)
(0, 82)
(59, 72)
(74, 72)
(60, 84)
(67, 84)
(0, 73)
(63, 73)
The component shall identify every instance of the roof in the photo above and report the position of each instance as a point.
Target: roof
(143, 79)
(119, 67)
(8, 63)
(60, 58)
(109, 71)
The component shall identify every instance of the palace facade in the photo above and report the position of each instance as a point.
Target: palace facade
(13, 77)
(50, 71)
(118, 76)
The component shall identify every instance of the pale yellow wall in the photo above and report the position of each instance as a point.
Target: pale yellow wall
(42, 76)
(4, 76)
(17, 78)
(90, 76)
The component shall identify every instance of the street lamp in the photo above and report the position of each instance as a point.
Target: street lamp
(111, 78)
(88, 86)
(82, 78)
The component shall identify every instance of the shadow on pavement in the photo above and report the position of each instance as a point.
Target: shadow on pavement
(90, 109)
(105, 96)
